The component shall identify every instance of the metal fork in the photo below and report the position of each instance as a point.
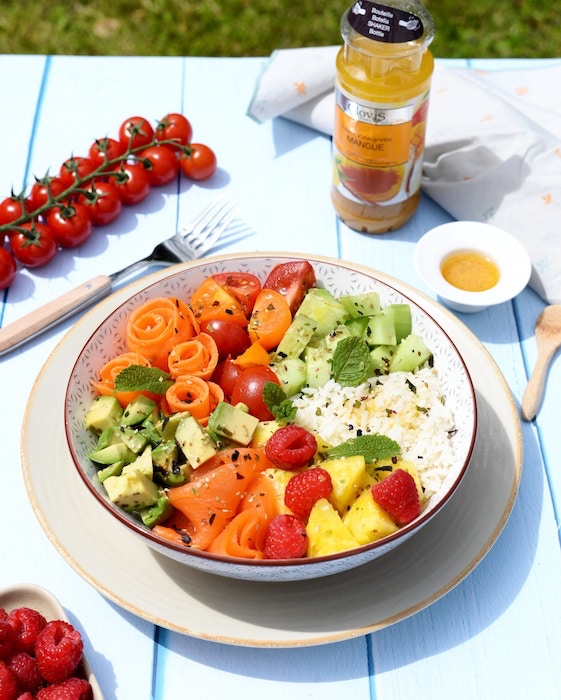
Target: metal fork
(189, 244)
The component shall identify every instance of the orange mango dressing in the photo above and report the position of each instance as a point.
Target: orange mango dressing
(470, 271)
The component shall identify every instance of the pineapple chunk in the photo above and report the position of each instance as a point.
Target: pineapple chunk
(348, 476)
(366, 521)
(280, 478)
(326, 532)
(263, 432)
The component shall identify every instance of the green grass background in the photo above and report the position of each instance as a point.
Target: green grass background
(476, 28)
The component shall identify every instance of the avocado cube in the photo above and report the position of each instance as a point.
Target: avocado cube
(131, 491)
(104, 412)
(113, 453)
(194, 441)
(167, 426)
(133, 439)
(232, 423)
(142, 463)
(156, 514)
(137, 410)
(112, 470)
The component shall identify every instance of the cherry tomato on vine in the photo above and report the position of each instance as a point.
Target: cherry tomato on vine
(70, 224)
(230, 338)
(106, 149)
(34, 248)
(174, 127)
(248, 389)
(199, 163)
(162, 165)
(74, 168)
(8, 268)
(42, 189)
(136, 132)
(11, 209)
(103, 203)
(132, 182)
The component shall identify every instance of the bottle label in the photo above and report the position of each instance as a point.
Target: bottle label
(382, 23)
(378, 148)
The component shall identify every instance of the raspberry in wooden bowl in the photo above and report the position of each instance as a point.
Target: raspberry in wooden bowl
(271, 416)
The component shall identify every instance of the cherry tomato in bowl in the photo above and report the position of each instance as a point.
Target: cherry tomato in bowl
(243, 286)
(226, 375)
(248, 389)
(292, 279)
(230, 338)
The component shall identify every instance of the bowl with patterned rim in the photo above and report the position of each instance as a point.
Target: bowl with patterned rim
(431, 416)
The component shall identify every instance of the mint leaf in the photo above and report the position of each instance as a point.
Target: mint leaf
(139, 378)
(351, 361)
(283, 410)
(371, 447)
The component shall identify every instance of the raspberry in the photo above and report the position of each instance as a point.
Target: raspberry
(8, 683)
(27, 624)
(26, 671)
(58, 650)
(291, 447)
(7, 639)
(286, 538)
(70, 689)
(397, 494)
(305, 488)
(3, 614)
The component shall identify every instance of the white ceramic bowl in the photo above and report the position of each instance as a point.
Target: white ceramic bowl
(340, 278)
(501, 247)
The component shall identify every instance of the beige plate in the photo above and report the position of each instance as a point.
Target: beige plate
(206, 606)
(28, 595)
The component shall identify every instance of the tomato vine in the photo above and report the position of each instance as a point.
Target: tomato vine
(60, 211)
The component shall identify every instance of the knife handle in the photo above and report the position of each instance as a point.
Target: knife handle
(49, 315)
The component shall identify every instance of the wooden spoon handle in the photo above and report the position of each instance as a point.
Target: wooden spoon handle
(49, 315)
(534, 390)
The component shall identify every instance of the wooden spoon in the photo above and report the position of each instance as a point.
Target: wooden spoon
(548, 339)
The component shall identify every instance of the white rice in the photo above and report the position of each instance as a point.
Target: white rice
(407, 407)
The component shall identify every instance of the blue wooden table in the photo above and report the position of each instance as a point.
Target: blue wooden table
(497, 634)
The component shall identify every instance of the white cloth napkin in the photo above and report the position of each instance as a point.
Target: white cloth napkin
(493, 144)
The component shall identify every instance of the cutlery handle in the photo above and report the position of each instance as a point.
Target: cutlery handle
(56, 311)
(534, 390)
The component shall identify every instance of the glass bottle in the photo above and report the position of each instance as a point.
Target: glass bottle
(384, 69)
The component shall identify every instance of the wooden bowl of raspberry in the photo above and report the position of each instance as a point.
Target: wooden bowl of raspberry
(41, 652)
(271, 416)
